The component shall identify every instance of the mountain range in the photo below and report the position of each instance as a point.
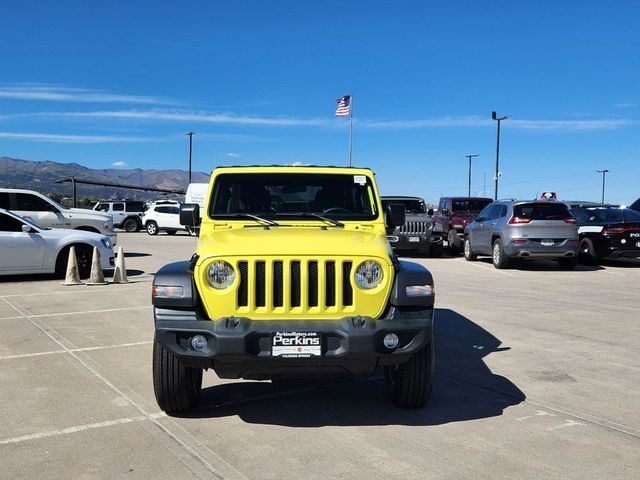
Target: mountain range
(42, 175)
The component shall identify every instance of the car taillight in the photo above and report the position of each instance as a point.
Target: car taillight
(574, 243)
(519, 242)
(610, 230)
(513, 220)
(569, 220)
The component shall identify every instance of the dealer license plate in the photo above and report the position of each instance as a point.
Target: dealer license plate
(547, 243)
(296, 344)
(414, 239)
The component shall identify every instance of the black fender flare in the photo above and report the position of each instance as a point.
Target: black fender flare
(177, 274)
(410, 274)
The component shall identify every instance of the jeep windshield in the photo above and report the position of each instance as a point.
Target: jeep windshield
(305, 196)
(411, 206)
(470, 205)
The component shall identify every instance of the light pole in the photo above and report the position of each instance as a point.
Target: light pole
(470, 157)
(604, 175)
(497, 119)
(190, 135)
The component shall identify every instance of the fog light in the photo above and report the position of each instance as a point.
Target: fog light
(199, 342)
(391, 341)
(623, 241)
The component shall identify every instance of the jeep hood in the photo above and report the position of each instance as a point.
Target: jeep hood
(303, 241)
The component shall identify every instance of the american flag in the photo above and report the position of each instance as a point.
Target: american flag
(344, 106)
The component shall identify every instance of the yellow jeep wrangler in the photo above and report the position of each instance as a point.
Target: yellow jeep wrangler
(292, 277)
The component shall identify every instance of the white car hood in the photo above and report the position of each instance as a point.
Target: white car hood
(78, 235)
(85, 213)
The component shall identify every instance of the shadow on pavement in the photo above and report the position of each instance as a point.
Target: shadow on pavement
(464, 389)
(540, 265)
(134, 254)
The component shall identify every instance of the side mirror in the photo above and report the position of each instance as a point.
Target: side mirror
(26, 228)
(190, 214)
(395, 215)
(430, 212)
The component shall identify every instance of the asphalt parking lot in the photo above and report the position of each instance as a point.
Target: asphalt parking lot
(538, 376)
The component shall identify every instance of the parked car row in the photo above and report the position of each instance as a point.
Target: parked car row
(28, 247)
(569, 232)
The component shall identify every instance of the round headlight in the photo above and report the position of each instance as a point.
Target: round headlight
(220, 275)
(369, 274)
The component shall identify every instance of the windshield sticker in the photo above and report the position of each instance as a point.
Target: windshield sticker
(361, 179)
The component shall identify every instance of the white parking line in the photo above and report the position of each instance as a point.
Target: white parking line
(81, 428)
(107, 310)
(486, 267)
(84, 349)
(76, 291)
(220, 464)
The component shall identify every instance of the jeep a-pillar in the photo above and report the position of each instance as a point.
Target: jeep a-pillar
(293, 276)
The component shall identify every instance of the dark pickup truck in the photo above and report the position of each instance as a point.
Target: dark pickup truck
(416, 235)
(454, 213)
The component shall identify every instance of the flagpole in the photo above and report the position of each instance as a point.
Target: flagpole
(350, 125)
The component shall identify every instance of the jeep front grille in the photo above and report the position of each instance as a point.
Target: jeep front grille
(292, 285)
(415, 227)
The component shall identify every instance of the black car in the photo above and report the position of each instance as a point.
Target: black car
(607, 232)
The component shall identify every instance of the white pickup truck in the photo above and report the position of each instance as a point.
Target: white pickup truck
(48, 213)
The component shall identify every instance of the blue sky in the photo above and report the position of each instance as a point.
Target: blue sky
(119, 83)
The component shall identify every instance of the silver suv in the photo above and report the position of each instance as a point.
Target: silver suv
(508, 229)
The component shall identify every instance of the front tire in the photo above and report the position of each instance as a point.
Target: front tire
(152, 228)
(469, 256)
(176, 386)
(498, 257)
(409, 384)
(84, 254)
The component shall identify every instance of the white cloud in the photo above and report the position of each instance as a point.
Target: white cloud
(67, 94)
(474, 121)
(232, 155)
(625, 105)
(57, 138)
(194, 117)
(119, 164)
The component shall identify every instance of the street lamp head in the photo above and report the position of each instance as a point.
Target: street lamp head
(494, 116)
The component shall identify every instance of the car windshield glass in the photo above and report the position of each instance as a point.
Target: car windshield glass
(271, 195)
(607, 215)
(411, 206)
(471, 205)
(542, 211)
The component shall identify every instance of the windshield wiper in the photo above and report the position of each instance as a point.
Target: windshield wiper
(271, 223)
(335, 223)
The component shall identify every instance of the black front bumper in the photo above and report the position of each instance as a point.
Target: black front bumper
(402, 241)
(241, 348)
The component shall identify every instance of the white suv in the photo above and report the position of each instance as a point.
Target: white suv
(47, 213)
(163, 215)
